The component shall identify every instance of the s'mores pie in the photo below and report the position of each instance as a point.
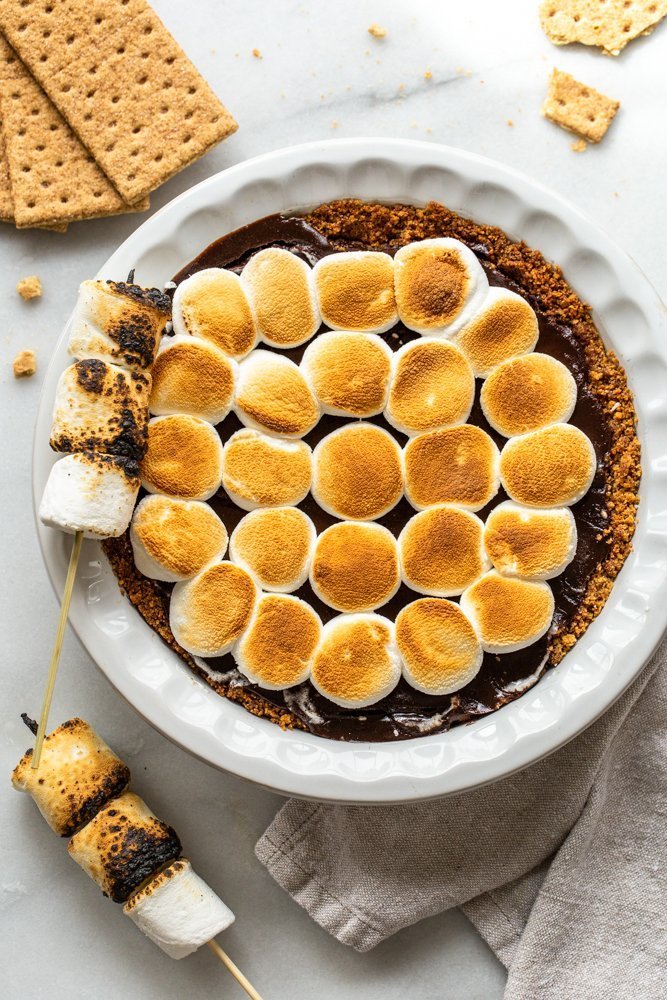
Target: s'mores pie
(100, 407)
(118, 322)
(281, 291)
(212, 304)
(210, 612)
(275, 545)
(77, 775)
(458, 465)
(355, 566)
(174, 539)
(439, 648)
(432, 386)
(504, 327)
(439, 285)
(122, 845)
(534, 544)
(273, 396)
(508, 613)
(263, 471)
(194, 377)
(357, 472)
(91, 493)
(552, 467)
(183, 458)
(441, 551)
(355, 291)
(349, 372)
(357, 661)
(276, 651)
(526, 393)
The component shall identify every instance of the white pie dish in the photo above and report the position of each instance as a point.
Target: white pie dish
(604, 661)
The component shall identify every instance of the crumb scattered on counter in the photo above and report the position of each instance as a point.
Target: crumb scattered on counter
(428, 75)
(29, 288)
(579, 146)
(377, 32)
(510, 123)
(25, 364)
(577, 107)
(257, 54)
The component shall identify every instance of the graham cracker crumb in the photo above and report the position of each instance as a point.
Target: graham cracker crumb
(510, 123)
(609, 25)
(579, 146)
(29, 288)
(578, 107)
(25, 364)
(377, 32)
(257, 54)
(428, 75)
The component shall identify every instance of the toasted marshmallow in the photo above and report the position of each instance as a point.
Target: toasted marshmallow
(439, 648)
(503, 328)
(526, 393)
(192, 376)
(174, 539)
(273, 396)
(432, 386)
(119, 323)
(183, 458)
(439, 285)
(178, 911)
(349, 372)
(507, 613)
(281, 290)
(357, 472)
(355, 566)
(275, 546)
(77, 774)
(91, 493)
(534, 544)
(122, 844)
(276, 650)
(552, 467)
(355, 291)
(441, 551)
(457, 465)
(357, 662)
(263, 471)
(100, 407)
(212, 304)
(210, 612)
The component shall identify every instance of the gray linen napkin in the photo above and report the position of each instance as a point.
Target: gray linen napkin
(562, 867)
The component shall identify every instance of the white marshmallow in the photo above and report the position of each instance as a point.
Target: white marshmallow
(280, 288)
(272, 395)
(94, 494)
(212, 304)
(178, 911)
(192, 376)
(357, 662)
(355, 291)
(175, 539)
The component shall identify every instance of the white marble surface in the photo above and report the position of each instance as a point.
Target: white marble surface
(321, 75)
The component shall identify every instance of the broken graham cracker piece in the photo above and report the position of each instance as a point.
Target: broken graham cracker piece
(122, 83)
(609, 24)
(54, 179)
(25, 364)
(29, 287)
(577, 107)
(6, 200)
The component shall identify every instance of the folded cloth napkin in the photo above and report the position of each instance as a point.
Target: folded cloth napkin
(561, 867)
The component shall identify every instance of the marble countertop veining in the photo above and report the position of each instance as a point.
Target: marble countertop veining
(471, 75)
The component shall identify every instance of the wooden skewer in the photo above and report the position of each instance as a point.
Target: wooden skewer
(57, 647)
(234, 969)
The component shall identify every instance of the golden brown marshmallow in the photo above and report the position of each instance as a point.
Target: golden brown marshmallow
(438, 646)
(275, 545)
(276, 651)
(355, 291)
(526, 393)
(456, 465)
(183, 458)
(272, 395)
(504, 327)
(280, 288)
(432, 386)
(355, 566)
(174, 539)
(552, 467)
(263, 471)
(508, 613)
(441, 551)
(210, 612)
(534, 544)
(349, 372)
(357, 472)
(357, 662)
(213, 305)
(192, 376)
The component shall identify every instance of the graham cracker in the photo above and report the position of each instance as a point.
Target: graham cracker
(54, 179)
(6, 201)
(123, 84)
(609, 24)
(577, 107)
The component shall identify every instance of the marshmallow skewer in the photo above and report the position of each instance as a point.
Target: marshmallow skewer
(234, 969)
